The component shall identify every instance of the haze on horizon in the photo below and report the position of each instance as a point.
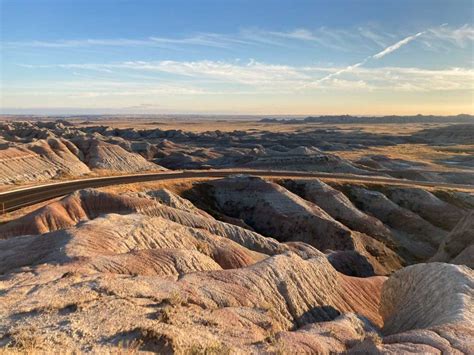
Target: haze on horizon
(237, 57)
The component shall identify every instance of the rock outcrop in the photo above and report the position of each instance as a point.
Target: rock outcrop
(338, 206)
(429, 304)
(458, 246)
(185, 301)
(427, 206)
(122, 235)
(171, 199)
(274, 211)
(151, 272)
(105, 156)
(241, 308)
(89, 204)
(417, 238)
(41, 160)
(240, 265)
(303, 159)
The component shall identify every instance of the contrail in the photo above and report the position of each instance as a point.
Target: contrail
(347, 69)
(379, 55)
(397, 45)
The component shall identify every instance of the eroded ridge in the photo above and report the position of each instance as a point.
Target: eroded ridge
(243, 265)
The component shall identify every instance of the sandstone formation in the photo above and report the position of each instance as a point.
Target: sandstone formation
(427, 206)
(122, 235)
(194, 311)
(270, 306)
(171, 199)
(336, 204)
(301, 158)
(305, 149)
(416, 237)
(240, 265)
(90, 204)
(458, 246)
(274, 211)
(460, 133)
(41, 160)
(51, 150)
(152, 272)
(430, 305)
(106, 156)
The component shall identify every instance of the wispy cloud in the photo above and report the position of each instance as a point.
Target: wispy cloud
(250, 73)
(339, 72)
(381, 39)
(200, 39)
(120, 42)
(361, 39)
(460, 36)
(201, 77)
(332, 38)
(236, 77)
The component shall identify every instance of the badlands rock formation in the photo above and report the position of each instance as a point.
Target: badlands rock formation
(429, 308)
(461, 134)
(302, 159)
(306, 149)
(241, 264)
(418, 239)
(150, 271)
(272, 210)
(338, 206)
(110, 243)
(41, 160)
(89, 204)
(427, 206)
(106, 156)
(458, 246)
(39, 152)
(171, 199)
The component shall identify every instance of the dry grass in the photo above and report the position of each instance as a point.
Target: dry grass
(208, 349)
(26, 340)
(228, 124)
(421, 153)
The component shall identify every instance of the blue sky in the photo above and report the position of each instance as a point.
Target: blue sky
(249, 57)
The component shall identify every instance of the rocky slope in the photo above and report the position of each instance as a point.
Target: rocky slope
(458, 246)
(301, 159)
(338, 206)
(242, 264)
(427, 206)
(90, 204)
(106, 156)
(306, 148)
(41, 160)
(415, 236)
(272, 210)
(241, 309)
(51, 150)
(406, 221)
(460, 134)
(184, 302)
(429, 308)
(150, 271)
(111, 243)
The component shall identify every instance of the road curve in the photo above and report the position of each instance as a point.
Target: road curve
(17, 198)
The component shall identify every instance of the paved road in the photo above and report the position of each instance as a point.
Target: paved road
(14, 199)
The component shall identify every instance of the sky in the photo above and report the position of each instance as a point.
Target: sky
(280, 57)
